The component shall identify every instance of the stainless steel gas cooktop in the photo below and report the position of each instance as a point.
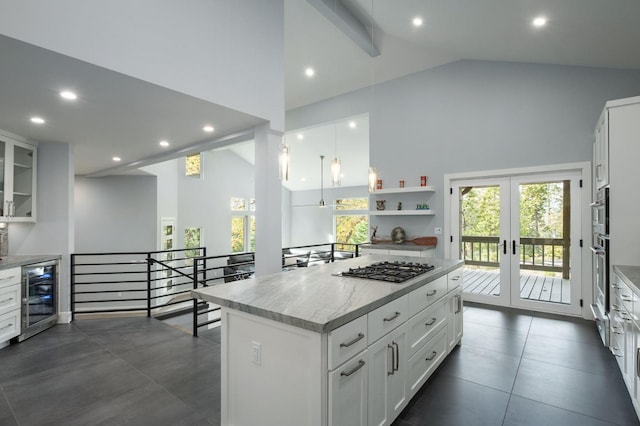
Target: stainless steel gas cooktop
(394, 272)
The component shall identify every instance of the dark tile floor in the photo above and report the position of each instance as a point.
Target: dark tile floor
(513, 368)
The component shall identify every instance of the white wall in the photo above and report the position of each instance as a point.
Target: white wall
(166, 189)
(475, 115)
(115, 214)
(227, 52)
(53, 233)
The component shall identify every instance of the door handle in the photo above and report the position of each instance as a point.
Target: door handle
(504, 246)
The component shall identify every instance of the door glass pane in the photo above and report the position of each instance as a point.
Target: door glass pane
(22, 182)
(480, 239)
(237, 234)
(545, 209)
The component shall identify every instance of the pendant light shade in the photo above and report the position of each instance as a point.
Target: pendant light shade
(321, 203)
(373, 177)
(336, 171)
(284, 162)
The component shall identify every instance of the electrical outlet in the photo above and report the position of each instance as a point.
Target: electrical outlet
(437, 231)
(256, 353)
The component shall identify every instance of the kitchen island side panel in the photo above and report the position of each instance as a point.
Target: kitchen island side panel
(284, 385)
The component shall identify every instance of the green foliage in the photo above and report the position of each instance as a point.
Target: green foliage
(191, 241)
(237, 234)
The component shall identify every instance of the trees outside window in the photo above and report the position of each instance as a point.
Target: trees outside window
(351, 221)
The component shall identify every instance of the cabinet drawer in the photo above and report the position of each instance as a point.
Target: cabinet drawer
(9, 325)
(454, 279)
(424, 325)
(411, 253)
(9, 298)
(422, 297)
(373, 251)
(425, 361)
(386, 318)
(347, 341)
(10, 276)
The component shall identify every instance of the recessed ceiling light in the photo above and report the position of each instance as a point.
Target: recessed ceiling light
(540, 21)
(116, 159)
(352, 124)
(309, 72)
(300, 136)
(37, 120)
(208, 128)
(303, 179)
(417, 21)
(66, 94)
(164, 143)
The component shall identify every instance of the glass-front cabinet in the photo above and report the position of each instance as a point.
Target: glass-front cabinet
(18, 185)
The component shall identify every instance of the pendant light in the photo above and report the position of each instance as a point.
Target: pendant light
(284, 162)
(373, 177)
(321, 203)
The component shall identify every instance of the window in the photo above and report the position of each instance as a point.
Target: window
(243, 225)
(192, 241)
(193, 164)
(351, 222)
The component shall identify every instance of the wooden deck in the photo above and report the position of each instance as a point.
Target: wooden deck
(532, 286)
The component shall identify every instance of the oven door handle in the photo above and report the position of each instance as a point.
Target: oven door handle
(598, 250)
(596, 203)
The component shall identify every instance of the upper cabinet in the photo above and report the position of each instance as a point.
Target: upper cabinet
(18, 186)
(601, 151)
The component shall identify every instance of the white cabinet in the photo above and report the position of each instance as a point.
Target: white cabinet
(387, 375)
(454, 308)
(10, 296)
(601, 151)
(412, 201)
(18, 174)
(348, 393)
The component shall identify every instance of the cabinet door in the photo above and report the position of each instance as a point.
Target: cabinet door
(348, 393)
(19, 183)
(601, 160)
(387, 388)
(454, 320)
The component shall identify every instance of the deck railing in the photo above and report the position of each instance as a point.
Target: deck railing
(539, 254)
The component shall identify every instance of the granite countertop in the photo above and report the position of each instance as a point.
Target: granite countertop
(7, 262)
(400, 246)
(630, 275)
(315, 298)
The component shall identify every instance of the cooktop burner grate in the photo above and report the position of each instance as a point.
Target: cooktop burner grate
(394, 272)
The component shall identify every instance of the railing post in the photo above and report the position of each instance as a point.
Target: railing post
(333, 252)
(73, 287)
(357, 254)
(204, 266)
(149, 263)
(195, 301)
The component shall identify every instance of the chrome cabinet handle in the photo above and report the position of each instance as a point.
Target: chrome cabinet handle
(458, 304)
(430, 323)
(361, 364)
(6, 300)
(626, 298)
(7, 326)
(430, 358)
(392, 317)
(396, 365)
(456, 278)
(616, 352)
(432, 293)
(638, 362)
(10, 277)
(393, 360)
(353, 341)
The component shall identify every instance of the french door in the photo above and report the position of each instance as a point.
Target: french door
(520, 239)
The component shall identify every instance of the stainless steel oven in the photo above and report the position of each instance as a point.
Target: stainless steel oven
(601, 288)
(600, 212)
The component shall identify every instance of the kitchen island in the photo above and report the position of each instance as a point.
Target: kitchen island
(310, 347)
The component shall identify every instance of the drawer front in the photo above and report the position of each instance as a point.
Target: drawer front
(347, 341)
(10, 276)
(9, 325)
(412, 253)
(9, 298)
(627, 297)
(425, 361)
(424, 296)
(386, 318)
(373, 251)
(454, 279)
(424, 325)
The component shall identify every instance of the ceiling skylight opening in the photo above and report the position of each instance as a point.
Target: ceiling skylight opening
(117, 159)
(417, 21)
(539, 22)
(37, 120)
(68, 95)
(353, 125)
(164, 144)
(309, 72)
(208, 128)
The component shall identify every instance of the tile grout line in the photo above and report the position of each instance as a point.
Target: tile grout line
(515, 378)
(6, 398)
